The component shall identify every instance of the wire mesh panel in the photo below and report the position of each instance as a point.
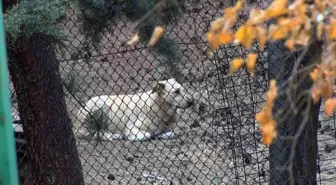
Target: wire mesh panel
(216, 141)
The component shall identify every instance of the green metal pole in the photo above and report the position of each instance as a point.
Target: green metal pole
(8, 168)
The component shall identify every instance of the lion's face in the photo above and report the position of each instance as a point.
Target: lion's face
(173, 93)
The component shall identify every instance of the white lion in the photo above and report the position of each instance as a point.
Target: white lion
(139, 116)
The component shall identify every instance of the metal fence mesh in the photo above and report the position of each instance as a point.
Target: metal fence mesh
(218, 138)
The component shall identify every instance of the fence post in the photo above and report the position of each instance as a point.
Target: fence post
(8, 167)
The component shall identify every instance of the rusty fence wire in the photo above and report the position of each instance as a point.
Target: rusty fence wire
(217, 138)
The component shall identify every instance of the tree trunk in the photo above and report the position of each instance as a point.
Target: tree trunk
(52, 151)
(305, 153)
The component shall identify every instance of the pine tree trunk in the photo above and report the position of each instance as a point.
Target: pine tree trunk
(52, 151)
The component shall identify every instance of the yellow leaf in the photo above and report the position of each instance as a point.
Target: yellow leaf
(330, 106)
(251, 61)
(319, 31)
(278, 4)
(235, 65)
(289, 23)
(230, 21)
(230, 17)
(295, 5)
(239, 5)
(307, 24)
(225, 37)
(256, 16)
(271, 94)
(290, 44)
(295, 30)
(328, 89)
(316, 93)
(245, 35)
(276, 9)
(302, 38)
(270, 31)
(213, 40)
(158, 32)
(279, 32)
(217, 24)
(314, 75)
(263, 117)
(134, 39)
(331, 29)
(230, 11)
(301, 10)
(321, 5)
(261, 37)
(268, 132)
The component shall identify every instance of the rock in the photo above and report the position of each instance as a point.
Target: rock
(325, 128)
(130, 158)
(332, 134)
(195, 124)
(111, 177)
(329, 148)
(330, 172)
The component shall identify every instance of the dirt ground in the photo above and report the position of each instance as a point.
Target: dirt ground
(218, 141)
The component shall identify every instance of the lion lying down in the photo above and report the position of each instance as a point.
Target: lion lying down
(139, 116)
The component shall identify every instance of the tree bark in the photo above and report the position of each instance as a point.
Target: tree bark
(51, 145)
(305, 153)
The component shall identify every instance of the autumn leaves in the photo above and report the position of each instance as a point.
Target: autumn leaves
(297, 23)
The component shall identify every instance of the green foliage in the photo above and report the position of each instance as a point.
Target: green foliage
(96, 124)
(96, 16)
(71, 82)
(31, 16)
(99, 15)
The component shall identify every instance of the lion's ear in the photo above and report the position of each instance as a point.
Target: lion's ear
(158, 88)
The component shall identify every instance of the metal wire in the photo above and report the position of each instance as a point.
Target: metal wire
(218, 138)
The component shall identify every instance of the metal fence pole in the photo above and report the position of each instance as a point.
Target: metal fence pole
(8, 171)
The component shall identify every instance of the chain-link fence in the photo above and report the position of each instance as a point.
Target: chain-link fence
(217, 140)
